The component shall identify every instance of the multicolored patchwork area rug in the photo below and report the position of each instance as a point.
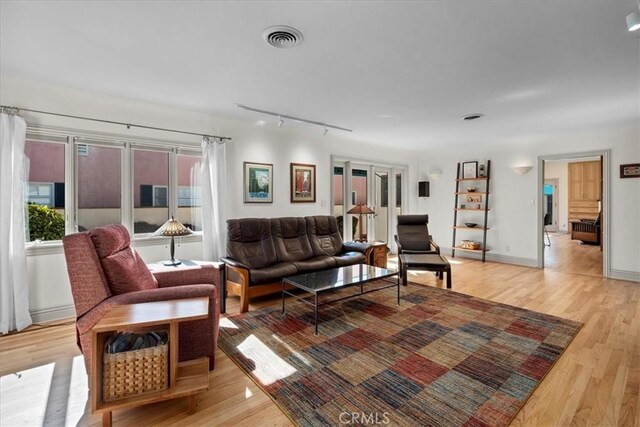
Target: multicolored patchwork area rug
(441, 358)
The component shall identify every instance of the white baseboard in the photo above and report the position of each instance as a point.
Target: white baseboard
(504, 259)
(52, 314)
(632, 276)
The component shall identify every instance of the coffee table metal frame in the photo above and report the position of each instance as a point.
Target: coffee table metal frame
(380, 273)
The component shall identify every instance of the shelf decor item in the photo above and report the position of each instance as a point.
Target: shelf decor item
(303, 183)
(469, 170)
(172, 228)
(471, 224)
(470, 244)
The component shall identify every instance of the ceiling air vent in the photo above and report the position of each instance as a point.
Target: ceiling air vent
(282, 36)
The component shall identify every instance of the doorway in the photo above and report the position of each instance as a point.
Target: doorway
(551, 203)
(573, 213)
(379, 186)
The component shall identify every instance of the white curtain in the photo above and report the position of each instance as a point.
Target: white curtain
(14, 291)
(214, 199)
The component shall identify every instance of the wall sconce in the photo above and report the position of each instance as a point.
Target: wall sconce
(521, 170)
(435, 173)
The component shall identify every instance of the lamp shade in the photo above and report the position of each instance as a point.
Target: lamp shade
(360, 210)
(172, 228)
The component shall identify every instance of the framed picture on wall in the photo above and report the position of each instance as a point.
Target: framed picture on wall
(303, 183)
(630, 171)
(469, 170)
(258, 182)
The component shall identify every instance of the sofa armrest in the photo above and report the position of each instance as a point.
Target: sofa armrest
(233, 263)
(195, 275)
(89, 319)
(356, 247)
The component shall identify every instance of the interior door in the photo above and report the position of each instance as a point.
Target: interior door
(383, 204)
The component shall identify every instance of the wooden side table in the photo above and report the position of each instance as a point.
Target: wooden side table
(185, 378)
(190, 263)
(378, 254)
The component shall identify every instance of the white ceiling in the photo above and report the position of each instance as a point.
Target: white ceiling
(398, 73)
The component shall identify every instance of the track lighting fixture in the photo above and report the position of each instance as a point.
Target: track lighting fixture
(324, 132)
(280, 117)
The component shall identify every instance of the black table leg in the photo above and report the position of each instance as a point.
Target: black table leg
(398, 289)
(448, 278)
(283, 297)
(316, 312)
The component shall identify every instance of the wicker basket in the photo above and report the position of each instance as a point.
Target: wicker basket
(132, 373)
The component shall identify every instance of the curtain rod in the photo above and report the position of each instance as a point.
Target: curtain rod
(14, 110)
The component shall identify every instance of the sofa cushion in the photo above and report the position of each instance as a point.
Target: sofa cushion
(314, 264)
(324, 235)
(123, 267)
(250, 242)
(271, 273)
(349, 258)
(290, 239)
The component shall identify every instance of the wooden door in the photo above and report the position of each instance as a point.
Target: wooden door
(591, 182)
(576, 172)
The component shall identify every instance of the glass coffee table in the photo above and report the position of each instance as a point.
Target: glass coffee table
(320, 282)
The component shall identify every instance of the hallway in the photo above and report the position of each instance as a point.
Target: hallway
(572, 256)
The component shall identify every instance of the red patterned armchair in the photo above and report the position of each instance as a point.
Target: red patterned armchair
(105, 271)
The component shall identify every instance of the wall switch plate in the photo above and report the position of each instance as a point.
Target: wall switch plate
(323, 203)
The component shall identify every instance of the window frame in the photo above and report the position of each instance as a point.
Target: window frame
(70, 137)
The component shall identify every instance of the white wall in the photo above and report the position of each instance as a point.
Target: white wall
(513, 216)
(560, 171)
(50, 295)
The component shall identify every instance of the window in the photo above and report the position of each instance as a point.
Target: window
(189, 210)
(99, 175)
(41, 193)
(45, 191)
(150, 190)
(77, 183)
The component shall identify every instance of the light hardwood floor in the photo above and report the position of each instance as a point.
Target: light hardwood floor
(572, 256)
(596, 381)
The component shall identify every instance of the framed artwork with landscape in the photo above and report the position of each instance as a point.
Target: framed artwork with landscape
(303, 183)
(258, 182)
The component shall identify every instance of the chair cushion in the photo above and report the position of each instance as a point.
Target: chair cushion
(272, 273)
(349, 258)
(314, 264)
(413, 233)
(124, 268)
(110, 239)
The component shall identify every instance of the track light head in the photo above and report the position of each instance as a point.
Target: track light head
(633, 20)
(325, 131)
(280, 122)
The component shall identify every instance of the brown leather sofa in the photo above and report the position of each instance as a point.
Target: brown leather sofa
(261, 251)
